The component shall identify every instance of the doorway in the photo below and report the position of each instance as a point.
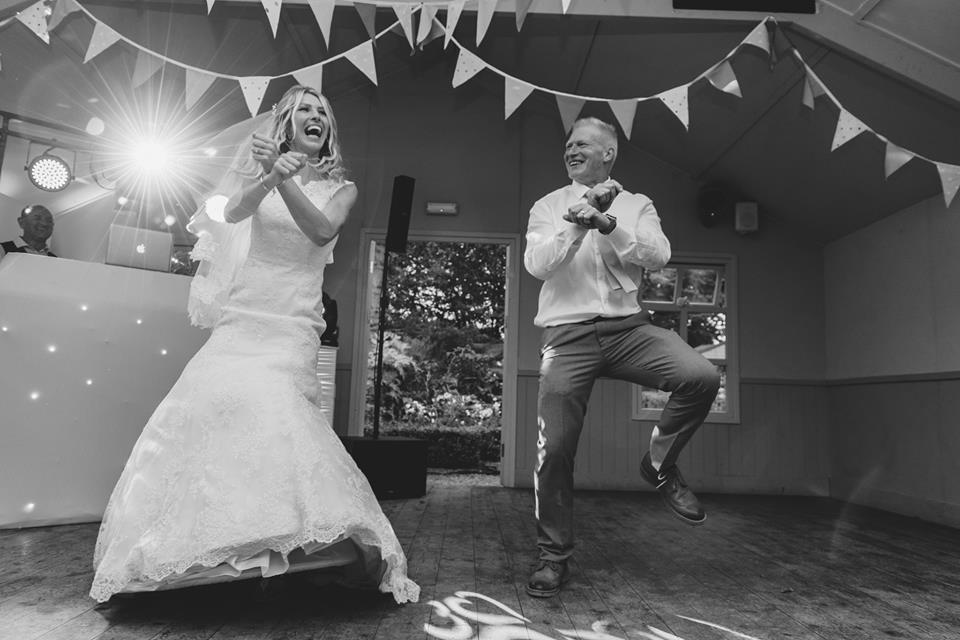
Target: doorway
(450, 349)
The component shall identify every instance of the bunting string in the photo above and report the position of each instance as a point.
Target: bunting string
(721, 75)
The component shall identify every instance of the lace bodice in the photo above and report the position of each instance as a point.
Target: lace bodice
(283, 272)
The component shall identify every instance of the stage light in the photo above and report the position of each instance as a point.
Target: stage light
(49, 172)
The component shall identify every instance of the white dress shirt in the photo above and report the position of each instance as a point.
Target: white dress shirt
(585, 273)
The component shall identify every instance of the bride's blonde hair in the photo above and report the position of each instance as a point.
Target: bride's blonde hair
(329, 163)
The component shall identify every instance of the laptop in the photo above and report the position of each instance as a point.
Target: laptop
(139, 248)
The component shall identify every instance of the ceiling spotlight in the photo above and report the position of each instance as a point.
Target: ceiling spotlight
(49, 172)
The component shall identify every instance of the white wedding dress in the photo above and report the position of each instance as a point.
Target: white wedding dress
(237, 473)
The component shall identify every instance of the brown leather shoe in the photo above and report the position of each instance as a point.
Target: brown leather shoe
(674, 490)
(547, 578)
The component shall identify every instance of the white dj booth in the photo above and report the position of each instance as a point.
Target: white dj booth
(87, 351)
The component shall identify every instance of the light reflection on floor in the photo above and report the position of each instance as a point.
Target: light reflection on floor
(507, 624)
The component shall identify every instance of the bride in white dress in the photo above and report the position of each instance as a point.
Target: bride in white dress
(237, 473)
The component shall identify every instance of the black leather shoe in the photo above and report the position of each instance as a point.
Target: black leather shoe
(674, 491)
(547, 578)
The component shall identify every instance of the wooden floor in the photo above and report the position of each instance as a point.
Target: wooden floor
(761, 567)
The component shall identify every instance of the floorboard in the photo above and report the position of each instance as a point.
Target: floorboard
(761, 567)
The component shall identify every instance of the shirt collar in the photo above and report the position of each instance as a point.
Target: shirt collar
(578, 189)
(20, 243)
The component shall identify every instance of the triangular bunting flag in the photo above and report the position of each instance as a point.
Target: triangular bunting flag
(210, 5)
(811, 89)
(35, 19)
(677, 101)
(723, 78)
(454, 9)
(485, 9)
(895, 158)
(368, 14)
(103, 36)
(759, 37)
(310, 77)
(780, 45)
(848, 128)
(950, 179)
(523, 6)
(147, 64)
(514, 93)
(427, 14)
(624, 110)
(570, 107)
(323, 12)
(436, 31)
(362, 58)
(565, 4)
(196, 84)
(61, 10)
(468, 65)
(253, 88)
(272, 7)
(405, 16)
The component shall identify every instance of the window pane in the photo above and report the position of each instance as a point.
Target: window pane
(659, 285)
(656, 400)
(720, 402)
(666, 319)
(700, 285)
(707, 333)
(653, 398)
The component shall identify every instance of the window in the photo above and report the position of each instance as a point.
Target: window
(694, 295)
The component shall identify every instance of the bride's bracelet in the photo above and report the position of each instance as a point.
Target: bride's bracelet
(264, 184)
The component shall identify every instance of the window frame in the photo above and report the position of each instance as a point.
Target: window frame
(705, 260)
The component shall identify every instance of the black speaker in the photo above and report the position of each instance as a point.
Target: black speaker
(396, 467)
(401, 204)
(765, 6)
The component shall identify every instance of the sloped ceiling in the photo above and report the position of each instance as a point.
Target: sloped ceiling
(893, 65)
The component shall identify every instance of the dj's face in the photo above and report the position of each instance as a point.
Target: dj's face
(37, 225)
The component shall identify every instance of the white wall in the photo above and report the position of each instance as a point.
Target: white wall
(893, 295)
(893, 363)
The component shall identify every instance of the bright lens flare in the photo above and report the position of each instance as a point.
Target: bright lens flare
(152, 157)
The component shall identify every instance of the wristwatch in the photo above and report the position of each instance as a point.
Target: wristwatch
(613, 220)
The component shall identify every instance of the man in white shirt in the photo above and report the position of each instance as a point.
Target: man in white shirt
(37, 224)
(589, 242)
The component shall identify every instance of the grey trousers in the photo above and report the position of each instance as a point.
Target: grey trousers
(573, 356)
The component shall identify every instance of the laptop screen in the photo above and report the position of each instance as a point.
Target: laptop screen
(139, 248)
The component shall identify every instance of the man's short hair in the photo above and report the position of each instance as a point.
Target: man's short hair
(34, 208)
(606, 127)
